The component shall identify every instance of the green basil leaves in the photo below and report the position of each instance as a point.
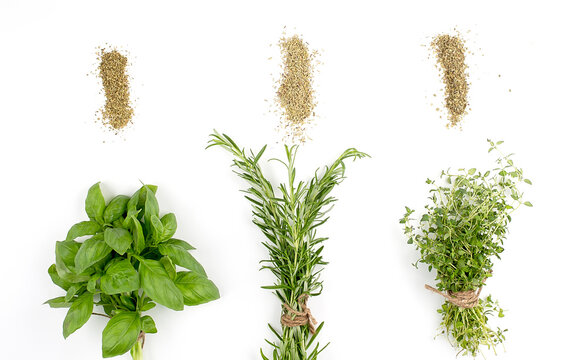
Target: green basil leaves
(125, 260)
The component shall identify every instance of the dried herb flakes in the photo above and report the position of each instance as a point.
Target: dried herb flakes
(117, 111)
(295, 94)
(450, 52)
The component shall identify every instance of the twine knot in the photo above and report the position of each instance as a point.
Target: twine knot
(292, 317)
(465, 299)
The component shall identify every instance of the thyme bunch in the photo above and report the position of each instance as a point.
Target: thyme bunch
(459, 235)
(289, 215)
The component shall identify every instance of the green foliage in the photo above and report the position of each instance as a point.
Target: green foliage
(289, 216)
(459, 235)
(123, 266)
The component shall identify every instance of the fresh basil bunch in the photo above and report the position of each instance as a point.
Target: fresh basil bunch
(127, 266)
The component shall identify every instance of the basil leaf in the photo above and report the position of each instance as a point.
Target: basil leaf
(95, 204)
(116, 208)
(118, 239)
(158, 286)
(58, 302)
(169, 267)
(91, 251)
(156, 229)
(169, 223)
(56, 279)
(182, 243)
(120, 334)
(137, 236)
(65, 252)
(78, 314)
(83, 228)
(92, 283)
(148, 306)
(181, 257)
(120, 277)
(72, 291)
(151, 207)
(195, 288)
(147, 324)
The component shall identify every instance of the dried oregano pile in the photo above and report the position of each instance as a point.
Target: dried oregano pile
(117, 111)
(295, 94)
(450, 52)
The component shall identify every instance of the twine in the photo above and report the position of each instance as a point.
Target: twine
(464, 299)
(292, 317)
(141, 338)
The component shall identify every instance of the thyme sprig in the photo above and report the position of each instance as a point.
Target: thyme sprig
(289, 215)
(459, 235)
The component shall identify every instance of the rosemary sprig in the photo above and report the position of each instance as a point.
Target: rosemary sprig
(289, 216)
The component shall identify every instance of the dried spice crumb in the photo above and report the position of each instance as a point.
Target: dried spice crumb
(117, 111)
(295, 94)
(450, 53)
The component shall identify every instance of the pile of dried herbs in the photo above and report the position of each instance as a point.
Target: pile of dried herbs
(117, 111)
(459, 235)
(127, 266)
(450, 53)
(295, 94)
(288, 216)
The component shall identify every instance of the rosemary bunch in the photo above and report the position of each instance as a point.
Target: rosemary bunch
(459, 235)
(289, 216)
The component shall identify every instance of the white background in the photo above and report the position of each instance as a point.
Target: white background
(199, 66)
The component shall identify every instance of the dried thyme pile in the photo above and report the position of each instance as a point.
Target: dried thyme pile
(295, 94)
(451, 55)
(117, 111)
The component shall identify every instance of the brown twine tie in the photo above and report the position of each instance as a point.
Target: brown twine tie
(464, 299)
(292, 317)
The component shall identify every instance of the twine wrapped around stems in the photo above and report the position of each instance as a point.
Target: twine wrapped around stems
(465, 299)
(292, 317)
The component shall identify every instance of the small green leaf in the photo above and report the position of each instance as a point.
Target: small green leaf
(527, 203)
(119, 278)
(83, 228)
(156, 229)
(95, 204)
(195, 288)
(169, 223)
(120, 334)
(72, 291)
(118, 239)
(148, 325)
(56, 279)
(158, 285)
(137, 236)
(58, 302)
(471, 171)
(79, 313)
(91, 251)
(151, 206)
(65, 253)
(181, 257)
(116, 208)
(169, 267)
(528, 181)
(181, 243)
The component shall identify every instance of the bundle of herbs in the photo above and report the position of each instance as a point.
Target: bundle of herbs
(127, 266)
(459, 235)
(289, 216)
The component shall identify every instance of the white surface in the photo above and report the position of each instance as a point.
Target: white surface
(198, 67)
